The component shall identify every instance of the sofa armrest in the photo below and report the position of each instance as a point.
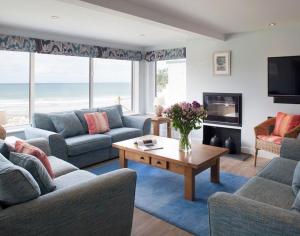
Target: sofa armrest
(41, 143)
(234, 215)
(57, 143)
(101, 206)
(139, 122)
(290, 149)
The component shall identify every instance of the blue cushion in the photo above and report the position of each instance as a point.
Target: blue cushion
(296, 179)
(87, 143)
(35, 167)
(114, 115)
(43, 121)
(296, 204)
(16, 184)
(120, 134)
(4, 149)
(80, 115)
(67, 124)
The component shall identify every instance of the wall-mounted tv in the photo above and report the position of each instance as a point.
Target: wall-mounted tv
(284, 76)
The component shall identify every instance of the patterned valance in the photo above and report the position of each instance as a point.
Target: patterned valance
(17, 43)
(166, 54)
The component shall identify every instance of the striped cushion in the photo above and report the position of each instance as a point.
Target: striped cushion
(285, 123)
(270, 138)
(97, 122)
(26, 148)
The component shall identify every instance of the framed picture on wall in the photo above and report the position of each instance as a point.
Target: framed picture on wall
(222, 63)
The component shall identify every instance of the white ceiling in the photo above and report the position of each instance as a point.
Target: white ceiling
(143, 23)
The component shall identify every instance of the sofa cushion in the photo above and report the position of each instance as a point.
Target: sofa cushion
(80, 115)
(4, 149)
(269, 192)
(97, 122)
(280, 170)
(16, 184)
(296, 204)
(43, 121)
(87, 143)
(270, 138)
(72, 178)
(67, 124)
(296, 179)
(60, 167)
(35, 168)
(114, 116)
(120, 134)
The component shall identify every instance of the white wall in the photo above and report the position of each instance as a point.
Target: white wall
(249, 73)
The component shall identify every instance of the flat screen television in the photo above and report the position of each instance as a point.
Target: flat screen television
(284, 76)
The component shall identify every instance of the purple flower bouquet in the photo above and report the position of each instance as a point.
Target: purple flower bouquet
(185, 117)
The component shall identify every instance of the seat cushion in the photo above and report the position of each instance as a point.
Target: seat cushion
(67, 124)
(16, 184)
(280, 170)
(60, 167)
(114, 116)
(271, 138)
(87, 143)
(269, 192)
(72, 178)
(35, 168)
(120, 134)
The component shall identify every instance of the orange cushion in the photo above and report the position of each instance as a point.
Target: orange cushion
(285, 123)
(26, 148)
(270, 138)
(97, 122)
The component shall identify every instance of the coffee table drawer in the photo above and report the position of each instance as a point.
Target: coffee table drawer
(176, 168)
(158, 163)
(137, 157)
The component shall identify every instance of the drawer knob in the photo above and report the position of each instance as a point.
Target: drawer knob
(158, 162)
(142, 158)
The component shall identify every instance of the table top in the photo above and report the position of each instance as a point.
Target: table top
(199, 155)
(160, 118)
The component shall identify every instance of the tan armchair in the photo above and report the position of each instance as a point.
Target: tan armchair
(266, 129)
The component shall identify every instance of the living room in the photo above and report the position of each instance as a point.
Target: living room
(64, 62)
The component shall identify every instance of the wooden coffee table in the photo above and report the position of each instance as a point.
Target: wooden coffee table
(170, 158)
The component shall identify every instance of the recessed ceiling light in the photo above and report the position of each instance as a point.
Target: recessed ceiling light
(54, 17)
(272, 24)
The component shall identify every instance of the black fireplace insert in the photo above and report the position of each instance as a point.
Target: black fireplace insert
(223, 108)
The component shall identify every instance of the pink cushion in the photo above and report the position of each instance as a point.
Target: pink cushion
(97, 122)
(285, 123)
(270, 138)
(26, 148)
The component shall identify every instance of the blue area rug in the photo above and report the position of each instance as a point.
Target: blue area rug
(160, 193)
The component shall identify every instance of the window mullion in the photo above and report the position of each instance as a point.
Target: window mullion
(31, 85)
(91, 83)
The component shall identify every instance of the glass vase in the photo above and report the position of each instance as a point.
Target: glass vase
(185, 142)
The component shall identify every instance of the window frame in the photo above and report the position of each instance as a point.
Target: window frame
(32, 95)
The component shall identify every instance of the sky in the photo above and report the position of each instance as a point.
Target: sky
(14, 68)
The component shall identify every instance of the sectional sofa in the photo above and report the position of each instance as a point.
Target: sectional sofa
(80, 148)
(81, 204)
(265, 205)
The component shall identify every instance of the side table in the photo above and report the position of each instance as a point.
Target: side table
(157, 120)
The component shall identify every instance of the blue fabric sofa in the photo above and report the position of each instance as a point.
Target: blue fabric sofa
(81, 204)
(263, 206)
(84, 149)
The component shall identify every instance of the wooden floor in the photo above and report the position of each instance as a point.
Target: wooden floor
(145, 224)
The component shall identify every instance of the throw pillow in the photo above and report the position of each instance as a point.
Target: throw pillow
(4, 149)
(97, 122)
(35, 168)
(296, 204)
(67, 124)
(285, 123)
(296, 179)
(80, 115)
(114, 117)
(23, 147)
(16, 184)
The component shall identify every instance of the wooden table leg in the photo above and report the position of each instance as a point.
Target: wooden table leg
(155, 128)
(122, 159)
(169, 129)
(215, 172)
(189, 184)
